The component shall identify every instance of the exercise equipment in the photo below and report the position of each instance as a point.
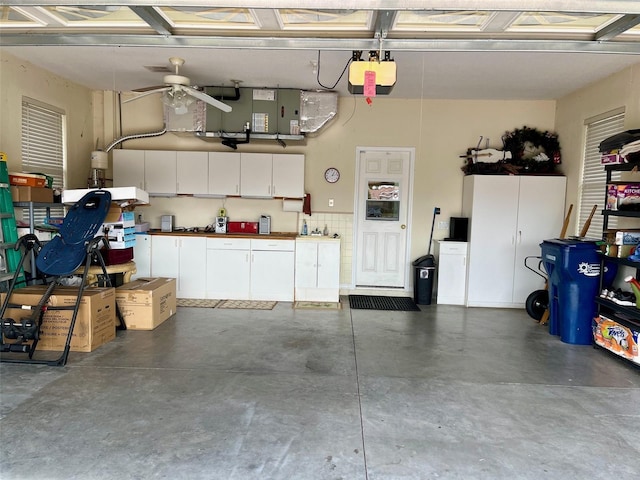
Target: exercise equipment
(56, 260)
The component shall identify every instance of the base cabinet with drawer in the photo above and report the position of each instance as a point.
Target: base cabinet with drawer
(317, 269)
(250, 269)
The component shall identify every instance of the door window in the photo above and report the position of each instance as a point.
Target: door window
(383, 201)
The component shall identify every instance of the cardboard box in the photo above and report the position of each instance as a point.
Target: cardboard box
(147, 302)
(627, 237)
(31, 194)
(27, 179)
(95, 324)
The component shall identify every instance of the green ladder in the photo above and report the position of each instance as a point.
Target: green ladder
(9, 257)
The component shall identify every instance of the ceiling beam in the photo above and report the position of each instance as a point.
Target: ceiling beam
(595, 6)
(346, 44)
(384, 22)
(499, 21)
(154, 19)
(619, 26)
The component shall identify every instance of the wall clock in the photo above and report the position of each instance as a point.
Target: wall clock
(332, 175)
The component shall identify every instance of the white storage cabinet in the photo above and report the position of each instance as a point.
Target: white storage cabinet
(142, 256)
(452, 273)
(182, 258)
(228, 268)
(272, 270)
(509, 217)
(317, 276)
(224, 173)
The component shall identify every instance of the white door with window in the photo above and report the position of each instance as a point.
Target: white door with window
(382, 209)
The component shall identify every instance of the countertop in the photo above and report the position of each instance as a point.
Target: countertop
(271, 236)
(202, 233)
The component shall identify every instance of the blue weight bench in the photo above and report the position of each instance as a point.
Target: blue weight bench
(75, 245)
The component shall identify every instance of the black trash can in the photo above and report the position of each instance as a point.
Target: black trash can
(425, 270)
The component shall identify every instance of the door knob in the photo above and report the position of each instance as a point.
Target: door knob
(403, 226)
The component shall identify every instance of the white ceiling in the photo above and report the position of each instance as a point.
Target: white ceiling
(452, 65)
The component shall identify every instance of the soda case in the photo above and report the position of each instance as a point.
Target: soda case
(617, 338)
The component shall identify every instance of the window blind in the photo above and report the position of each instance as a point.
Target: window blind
(594, 178)
(43, 147)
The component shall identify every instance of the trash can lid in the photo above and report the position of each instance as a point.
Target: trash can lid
(425, 261)
(569, 243)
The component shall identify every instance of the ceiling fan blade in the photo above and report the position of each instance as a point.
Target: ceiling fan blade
(206, 98)
(148, 92)
(146, 89)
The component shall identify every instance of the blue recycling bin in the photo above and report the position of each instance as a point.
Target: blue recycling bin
(573, 268)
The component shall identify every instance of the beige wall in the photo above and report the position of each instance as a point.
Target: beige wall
(618, 90)
(19, 78)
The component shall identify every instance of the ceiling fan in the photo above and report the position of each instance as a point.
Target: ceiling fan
(178, 92)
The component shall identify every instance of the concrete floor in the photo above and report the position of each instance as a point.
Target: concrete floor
(446, 393)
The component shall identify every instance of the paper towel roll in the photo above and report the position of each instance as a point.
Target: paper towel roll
(291, 204)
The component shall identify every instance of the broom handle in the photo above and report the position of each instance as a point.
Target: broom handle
(565, 225)
(585, 228)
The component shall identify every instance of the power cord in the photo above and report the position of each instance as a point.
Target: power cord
(339, 78)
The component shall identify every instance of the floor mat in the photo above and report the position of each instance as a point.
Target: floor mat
(248, 304)
(197, 302)
(375, 302)
(318, 305)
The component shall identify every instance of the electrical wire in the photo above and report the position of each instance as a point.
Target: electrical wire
(339, 78)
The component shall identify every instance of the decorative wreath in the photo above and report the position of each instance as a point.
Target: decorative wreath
(533, 151)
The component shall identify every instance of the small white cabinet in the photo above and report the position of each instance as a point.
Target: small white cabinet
(288, 175)
(228, 268)
(256, 174)
(160, 172)
(142, 256)
(272, 270)
(192, 173)
(317, 269)
(182, 258)
(128, 168)
(224, 173)
(452, 273)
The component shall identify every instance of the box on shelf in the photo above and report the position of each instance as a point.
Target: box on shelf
(613, 336)
(142, 227)
(95, 324)
(627, 237)
(31, 194)
(27, 179)
(118, 215)
(147, 302)
(611, 158)
(121, 245)
(623, 196)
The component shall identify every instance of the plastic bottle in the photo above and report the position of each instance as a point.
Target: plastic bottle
(325, 232)
(635, 286)
(304, 227)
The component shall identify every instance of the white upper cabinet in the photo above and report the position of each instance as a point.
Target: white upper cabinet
(224, 173)
(255, 175)
(128, 168)
(192, 171)
(288, 175)
(160, 172)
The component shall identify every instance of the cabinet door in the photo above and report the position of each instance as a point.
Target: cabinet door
(491, 202)
(228, 274)
(306, 264)
(160, 172)
(142, 256)
(540, 217)
(192, 173)
(128, 168)
(329, 264)
(452, 273)
(255, 174)
(164, 256)
(192, 277)
(224, 173)
(272, 275)
(288, 175)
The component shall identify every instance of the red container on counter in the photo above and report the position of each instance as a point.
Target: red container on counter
(242, 227)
